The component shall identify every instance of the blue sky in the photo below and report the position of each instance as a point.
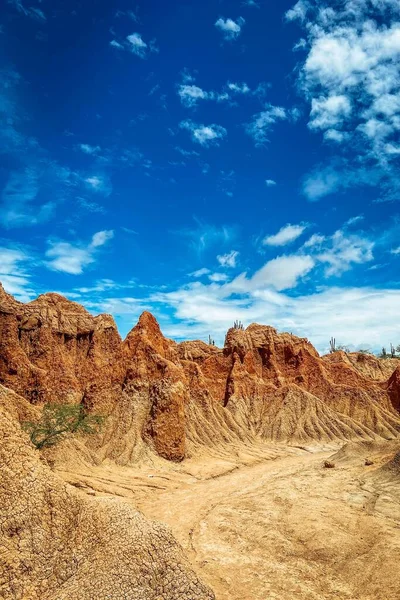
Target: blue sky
(208, 161)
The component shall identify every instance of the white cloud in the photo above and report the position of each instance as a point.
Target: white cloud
(99, 184)
(127, 13)
(358, 317)
(326, 180)
(14, 274)
(351, 77)
(315, 240)
(101, 285)
(204, 235)
(101, 237)
(137, 45)
(191, 94)
(32, 11)
(205, 135)
(287, 234)
(261, 125)
(283, 272)
(230, 29)
(26, 199)
(299, 11)
(218, 277)
(200, 272)
(134, 43)
(329, 112)
(116, 44)
(270, 182)
(342, 250)
(395, 251)
(74, 258)
(229, 259)
(354, 220)
(238, 88)
(88, 149)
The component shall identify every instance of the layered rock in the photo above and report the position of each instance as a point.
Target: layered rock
(171, 398)
(52, 349)
(153, 370)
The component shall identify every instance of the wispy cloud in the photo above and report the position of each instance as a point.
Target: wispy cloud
(26, 196)
(100, 184)
(205, 135)
(337, 176)
(262, 123)
(32, 11)
(192, 94)
(204, 235)
(218, 277)
(251, 3)
(127, 13)
(200, 272)
(341, 251)
(287, 234)
(14, 272)
(36, 184)
(88, 149)
(135, 43)
(230, 28)
(229, 259)
(74, 258)
(270, 182)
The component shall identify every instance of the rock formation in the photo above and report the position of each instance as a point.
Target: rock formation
(171, 398)
(57, 543)
(163, 400)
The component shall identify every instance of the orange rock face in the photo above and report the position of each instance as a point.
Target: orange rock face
(172, 398)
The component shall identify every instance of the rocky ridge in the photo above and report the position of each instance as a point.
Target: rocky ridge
(170, 398)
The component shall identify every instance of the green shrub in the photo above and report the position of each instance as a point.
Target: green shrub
(58, 420)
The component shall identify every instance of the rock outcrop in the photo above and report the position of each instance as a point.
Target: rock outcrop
(57, 543)
(171, 398)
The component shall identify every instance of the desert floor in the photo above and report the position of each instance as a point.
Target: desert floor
(272, 522)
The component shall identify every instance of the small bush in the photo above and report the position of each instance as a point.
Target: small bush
(329, 465)
(58, 420)
(368, 462)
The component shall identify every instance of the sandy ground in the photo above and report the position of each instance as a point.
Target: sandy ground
(273, 523)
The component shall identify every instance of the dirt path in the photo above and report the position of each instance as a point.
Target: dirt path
(281, 529)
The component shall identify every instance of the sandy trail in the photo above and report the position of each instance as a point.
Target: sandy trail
(284, 528)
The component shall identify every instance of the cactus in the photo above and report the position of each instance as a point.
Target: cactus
(392, 351)
(238, 325)
(211, 342)
(332, 344)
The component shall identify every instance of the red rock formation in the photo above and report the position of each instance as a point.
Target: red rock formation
(152, 366)
(394, 388)
(172, 397)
